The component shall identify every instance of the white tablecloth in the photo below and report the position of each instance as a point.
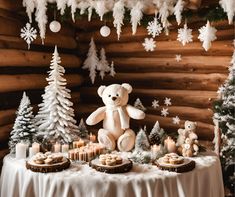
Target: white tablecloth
(144, 180)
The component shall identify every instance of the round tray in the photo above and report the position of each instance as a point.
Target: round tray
(187, 166)
(44, 168)
(126, 166)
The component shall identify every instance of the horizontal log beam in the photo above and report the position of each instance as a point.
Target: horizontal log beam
(12, 57)
(7, 116)
(32, 81)
(200, 99)
(5, 132)
(11, 5)
(220, 48)
(180, 81)
(195, 64)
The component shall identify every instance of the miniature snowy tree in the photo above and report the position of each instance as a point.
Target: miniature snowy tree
(156, 135)
(83, 132)
(112, 70)
(24, 128)
(224, 114)
(103, 65)
(138, 104)
(55, 119)
(92, 61)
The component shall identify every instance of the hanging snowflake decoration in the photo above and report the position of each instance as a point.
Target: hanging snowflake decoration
(28, 33)
(149, 44)
(164, 112)
(185, 35)
(178, 58)
(167, 101)
(155, 104)
(154, 28)
(176, 120)
(207, 35)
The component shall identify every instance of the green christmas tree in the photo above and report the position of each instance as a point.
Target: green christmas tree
(24, 128)
(224, 114)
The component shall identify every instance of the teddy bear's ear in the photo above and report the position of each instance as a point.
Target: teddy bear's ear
(127, 87)
(101, 90)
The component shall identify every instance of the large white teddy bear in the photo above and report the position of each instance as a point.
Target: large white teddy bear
(116, 116)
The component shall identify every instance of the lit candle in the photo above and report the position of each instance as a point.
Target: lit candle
(21, 151)
(170, 145)
(80, 143)
(57, 147)
(65, 148)
(36, 147)
(155, 148)
(92, 137)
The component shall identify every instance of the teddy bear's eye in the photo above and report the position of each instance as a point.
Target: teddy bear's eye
(109, 95)
(117, 94)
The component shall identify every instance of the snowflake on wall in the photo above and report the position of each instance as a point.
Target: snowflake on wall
(154, 28)
(167, 101)
(149, 44)
(178, 58)
(185, 35)
(164, 112)
(28, 33)
(155, 104)
(176, 120)
(207, 35)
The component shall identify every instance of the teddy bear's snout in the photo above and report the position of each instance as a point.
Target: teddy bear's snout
(114, 98)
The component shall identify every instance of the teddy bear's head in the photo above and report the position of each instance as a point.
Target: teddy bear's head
(190, 126)
(115, 94)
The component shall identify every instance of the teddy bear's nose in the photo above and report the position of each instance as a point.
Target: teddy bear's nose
(114, 98)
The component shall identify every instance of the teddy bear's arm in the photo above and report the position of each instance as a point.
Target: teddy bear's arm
(97, 116)
(134, 112)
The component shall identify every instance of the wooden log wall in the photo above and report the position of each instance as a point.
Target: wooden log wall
(191, 83)
(25, 70)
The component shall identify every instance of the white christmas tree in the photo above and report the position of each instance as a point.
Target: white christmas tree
(138, 104)
(24, 128)
(55, 119)
(207, 35)
(112, 70)
(92, 61)
(83, 132)
(103, 65)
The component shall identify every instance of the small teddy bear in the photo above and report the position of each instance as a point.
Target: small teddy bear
(188, 132)
(190, 148)
(116, 116)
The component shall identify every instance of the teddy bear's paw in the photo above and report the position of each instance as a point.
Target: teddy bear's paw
(126, 142)
(106, 139)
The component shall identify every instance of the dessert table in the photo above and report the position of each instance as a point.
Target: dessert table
(141, 181)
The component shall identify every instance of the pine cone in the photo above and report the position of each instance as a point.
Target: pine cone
(154, 138)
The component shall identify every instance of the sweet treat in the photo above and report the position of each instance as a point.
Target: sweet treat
(172, 158)
(110, 159)
(48, 161)
(110, 162)
(115, 115)
(118, 160)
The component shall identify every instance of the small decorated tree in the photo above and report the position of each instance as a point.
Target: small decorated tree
(83, 132)
(24, 128)
(156, 135)
(224, 109)
(55, 118)
(138, 104)
(103, 65)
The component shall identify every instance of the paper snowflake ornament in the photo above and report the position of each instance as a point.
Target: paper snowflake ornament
(149, 44)
(112, 70)
(155, 104)
(154, 28)
(185, 35)
(207, 35)
(167, 101)
(176, 120)
(178, 58)
(28, 33)
(164, 112)
(229, 8)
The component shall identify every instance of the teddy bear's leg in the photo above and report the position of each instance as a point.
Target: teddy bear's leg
(106, 139)
(126, 141)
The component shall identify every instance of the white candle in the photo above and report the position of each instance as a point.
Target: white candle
(21, 151)
(57, 147)
(65, 148)
(32, 151)
(155, 148)
(170, 145)
(36, 147)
